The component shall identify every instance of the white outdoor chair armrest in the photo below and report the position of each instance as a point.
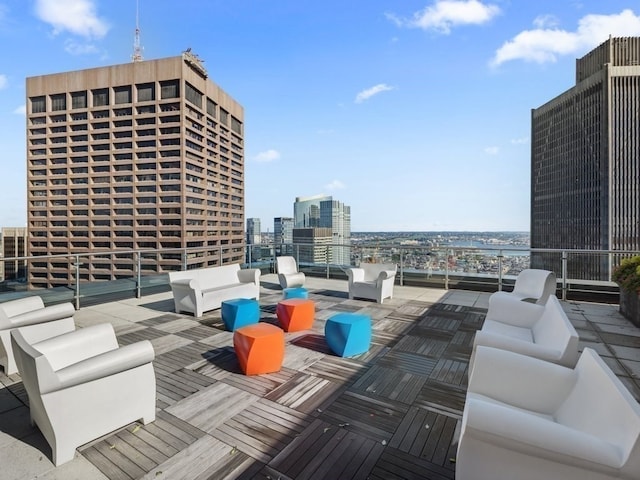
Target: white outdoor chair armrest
(504, 342)
(355, 274)
(514, 312)
(516, 430)
(72, 347)
(520, 380)
(103, 365)
(46, 314)
(249, 275)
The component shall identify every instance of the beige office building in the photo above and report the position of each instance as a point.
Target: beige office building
(145, 159)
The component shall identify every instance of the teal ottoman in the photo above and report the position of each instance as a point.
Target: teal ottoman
(348, 334)
(240, 312)
(295, 292)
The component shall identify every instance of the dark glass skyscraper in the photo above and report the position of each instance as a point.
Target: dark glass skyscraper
(585, 163)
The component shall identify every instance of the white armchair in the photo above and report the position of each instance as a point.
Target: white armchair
(532, 285)
(372, 280)
(36, 321)
(528, 419)
(81, 385)
(539, 331)
(288, 274)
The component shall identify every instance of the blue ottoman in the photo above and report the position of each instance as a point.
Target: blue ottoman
(295, 292)
(240, 312)
(348, 334)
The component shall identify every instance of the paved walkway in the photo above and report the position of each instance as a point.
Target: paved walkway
(393, 412)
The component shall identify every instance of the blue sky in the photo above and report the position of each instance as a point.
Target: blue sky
(414, 113)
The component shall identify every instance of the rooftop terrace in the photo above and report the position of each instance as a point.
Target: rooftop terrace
(393, 412)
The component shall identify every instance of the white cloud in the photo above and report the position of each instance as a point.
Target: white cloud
(370, 92)
(75, 48)
(442, 15)
(21, 110)
(335, 185)
(546, 21)
(75, 16)
(4, 82)
(520, 141)
(546, 44)
(267, 156)
(492, 150)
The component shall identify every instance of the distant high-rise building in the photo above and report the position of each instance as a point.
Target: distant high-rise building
(306, 211)
(312, 244)
(254, 237)
(14, 245)
(324, 212)
(254, 233)
(147, 155)
(337, 216)
(585, 191)
(283, 235)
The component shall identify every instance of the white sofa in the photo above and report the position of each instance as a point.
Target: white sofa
(81, 385)
(532, 285)
(540, 331)
(288, 274)
(528, 419)
(36, 321)
(203, 289)
(372, 280)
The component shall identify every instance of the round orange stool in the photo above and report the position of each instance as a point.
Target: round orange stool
(296, 314)
(260, 348)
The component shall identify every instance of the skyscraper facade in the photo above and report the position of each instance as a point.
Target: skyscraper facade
(254, 237)
(14, 245)
(283, 235)
(585, 173)
(254, 232)
(324, 212)
(145, 156)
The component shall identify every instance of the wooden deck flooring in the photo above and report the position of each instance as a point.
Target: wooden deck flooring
(391, 413)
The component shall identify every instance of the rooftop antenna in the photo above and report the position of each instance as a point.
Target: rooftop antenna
(137, 50)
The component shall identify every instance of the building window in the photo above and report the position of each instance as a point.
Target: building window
(38, 104)
(78, 100)
(122, 94)
(146, 92)
(224, 116)
(100, 97)
(58, 102)
(236, 125)
(211, 108)
(169, 89)
(193, 96)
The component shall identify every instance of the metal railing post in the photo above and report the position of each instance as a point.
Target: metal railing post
(500, 255)
(401, 269)
(77, 289)
(138, 257)
(446, 270)
(326, 255)
(564, 274)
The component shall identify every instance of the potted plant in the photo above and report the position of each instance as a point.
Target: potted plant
(627, 276)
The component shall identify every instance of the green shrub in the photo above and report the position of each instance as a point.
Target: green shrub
(627, 274)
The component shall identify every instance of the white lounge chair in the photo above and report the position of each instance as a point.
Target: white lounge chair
(532, 285)
(528, 419)
(541, 331)
(288, 274)
(36, 321)
(372, 280)
(81, 385)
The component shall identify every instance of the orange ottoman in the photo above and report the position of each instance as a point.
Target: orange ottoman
(296, 314)
(260, 348)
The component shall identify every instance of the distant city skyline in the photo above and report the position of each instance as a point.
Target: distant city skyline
(416, 114)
